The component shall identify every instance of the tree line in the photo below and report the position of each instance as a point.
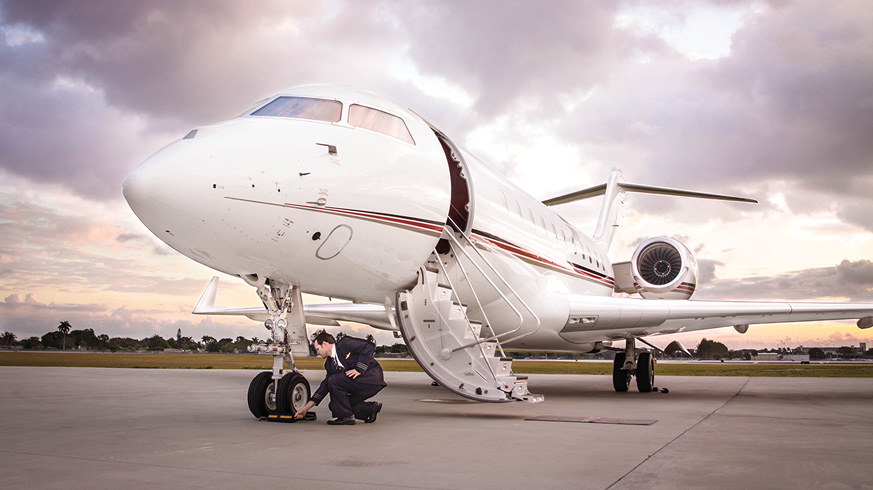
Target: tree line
(67, 338)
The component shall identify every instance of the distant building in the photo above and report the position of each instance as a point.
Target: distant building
(796, 357)
(863, 346)
(767, 356)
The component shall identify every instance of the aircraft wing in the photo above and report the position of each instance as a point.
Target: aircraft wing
(621, 317)
(323, 314)
(373, 315)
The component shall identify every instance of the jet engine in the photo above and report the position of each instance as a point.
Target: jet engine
(660, 268)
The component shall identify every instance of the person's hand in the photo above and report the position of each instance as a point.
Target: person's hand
(303, 410)
(353, 373)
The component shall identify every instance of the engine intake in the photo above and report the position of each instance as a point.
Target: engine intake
(659, 263)
(661, 268)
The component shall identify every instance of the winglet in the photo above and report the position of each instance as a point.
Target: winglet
(206, 304)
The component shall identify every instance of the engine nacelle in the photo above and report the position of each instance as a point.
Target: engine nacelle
(660, 268)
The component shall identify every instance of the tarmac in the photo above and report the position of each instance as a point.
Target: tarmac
(136, 429)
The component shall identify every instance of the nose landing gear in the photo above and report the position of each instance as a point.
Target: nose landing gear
(277, 395)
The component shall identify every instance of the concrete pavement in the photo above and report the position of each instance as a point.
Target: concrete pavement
(133, 429)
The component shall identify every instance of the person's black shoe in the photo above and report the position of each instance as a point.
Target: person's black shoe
(342, 421)
(377, 407)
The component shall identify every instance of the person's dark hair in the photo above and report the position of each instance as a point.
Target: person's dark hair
(325, 337)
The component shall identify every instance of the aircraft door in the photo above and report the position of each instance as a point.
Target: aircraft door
(460, 216)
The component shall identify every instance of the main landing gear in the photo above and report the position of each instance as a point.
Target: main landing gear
(628, 364)
(277, 395)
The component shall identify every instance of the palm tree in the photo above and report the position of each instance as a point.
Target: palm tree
(64, 328)
(8, 338)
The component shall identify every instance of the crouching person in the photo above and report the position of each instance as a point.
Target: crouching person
(353, 376)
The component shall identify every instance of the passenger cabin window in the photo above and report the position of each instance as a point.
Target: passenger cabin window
(380, 122)
(303, 108)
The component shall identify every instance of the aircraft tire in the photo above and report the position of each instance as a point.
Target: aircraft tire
(620, 377)
(258, 394)
(294, 392)
(645, 372)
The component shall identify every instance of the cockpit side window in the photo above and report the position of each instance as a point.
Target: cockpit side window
(302, 108)
(379, 121)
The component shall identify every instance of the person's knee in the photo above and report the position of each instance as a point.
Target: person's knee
(336, 380)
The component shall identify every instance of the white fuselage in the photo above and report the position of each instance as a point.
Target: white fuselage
(348, 212)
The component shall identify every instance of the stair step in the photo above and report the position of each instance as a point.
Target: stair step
(500, 366)
(489, 348)
(473, 331)
(444, 293)
(531, 398)
(447, 345)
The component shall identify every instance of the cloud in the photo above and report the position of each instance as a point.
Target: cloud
(35, 319)
(792, 103)
(67, 244)
(108, 83)
(503, 54)
(850, 279)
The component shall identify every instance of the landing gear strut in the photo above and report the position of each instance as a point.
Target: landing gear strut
(628, 364)
(278, 394)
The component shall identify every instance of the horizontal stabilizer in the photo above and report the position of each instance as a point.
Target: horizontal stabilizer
(599, 190)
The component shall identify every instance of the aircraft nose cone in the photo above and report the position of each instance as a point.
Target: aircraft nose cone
(169, 195)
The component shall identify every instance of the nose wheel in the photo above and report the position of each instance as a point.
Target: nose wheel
(265, 400)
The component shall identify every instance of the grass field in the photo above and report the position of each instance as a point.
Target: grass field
(232, 361)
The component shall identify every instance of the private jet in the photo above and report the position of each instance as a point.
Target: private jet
(339, 192)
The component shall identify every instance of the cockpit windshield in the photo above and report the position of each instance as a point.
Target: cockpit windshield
(302, 108)
(381, 122)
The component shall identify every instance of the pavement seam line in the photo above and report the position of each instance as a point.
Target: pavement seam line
(671, 441)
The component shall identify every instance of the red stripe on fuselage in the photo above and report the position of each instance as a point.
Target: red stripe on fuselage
(431, 227)
(372, 216)
(514, 249)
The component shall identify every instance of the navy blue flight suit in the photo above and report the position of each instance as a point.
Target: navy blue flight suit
(347, 395)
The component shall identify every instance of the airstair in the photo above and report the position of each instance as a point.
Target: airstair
(462, 355)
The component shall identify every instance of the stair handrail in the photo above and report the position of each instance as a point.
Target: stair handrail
(508, 286)
(445, 274)
(494, 337)
(466, 318)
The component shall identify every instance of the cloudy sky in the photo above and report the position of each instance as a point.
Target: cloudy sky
(772, 100)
